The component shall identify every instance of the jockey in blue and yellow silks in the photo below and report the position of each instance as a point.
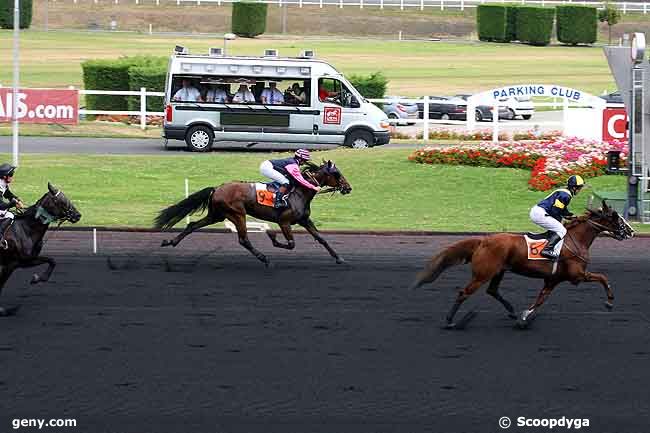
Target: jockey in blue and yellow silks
(549, 213)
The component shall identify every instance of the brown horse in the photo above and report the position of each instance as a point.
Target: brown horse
(491, 256)
(233, 201)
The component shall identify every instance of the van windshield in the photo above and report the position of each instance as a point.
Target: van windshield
(240, 90)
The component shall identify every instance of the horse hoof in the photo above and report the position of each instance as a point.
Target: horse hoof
(449, 326)
(35, 279)
(166, 243)
(340, 261)
(9, 311)
(609, 305)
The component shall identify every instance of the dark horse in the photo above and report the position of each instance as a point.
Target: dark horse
(235, 200)
(491, 256)
(25, 237)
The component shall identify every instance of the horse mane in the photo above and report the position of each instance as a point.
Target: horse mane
(30, 211)
(590, 213)
(310, 168)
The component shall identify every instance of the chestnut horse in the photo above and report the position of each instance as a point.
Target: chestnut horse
(491, 256)
(233, 201)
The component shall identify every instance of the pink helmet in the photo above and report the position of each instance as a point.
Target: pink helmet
(302, 154)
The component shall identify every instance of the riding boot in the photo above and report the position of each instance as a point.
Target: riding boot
(4, 225)
(549, 249)
(280, 200)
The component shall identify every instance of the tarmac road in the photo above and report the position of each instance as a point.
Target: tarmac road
(214, 342)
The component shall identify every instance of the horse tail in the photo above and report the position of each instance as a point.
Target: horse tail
(169, 217)
(456, 254)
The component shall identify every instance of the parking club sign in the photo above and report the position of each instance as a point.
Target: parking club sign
(332, 116)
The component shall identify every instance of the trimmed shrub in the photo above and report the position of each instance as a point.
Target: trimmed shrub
(535, 25)
(371, 86)
(491, 22)
(511, 22)
(7, 14)
(249, 19)
(112, 75)
(577, 24)
(153, 78)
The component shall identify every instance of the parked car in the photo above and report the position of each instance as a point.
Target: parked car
(404, 112)
(441, 107)
(519, 106)
(484, 112)
(613, 98)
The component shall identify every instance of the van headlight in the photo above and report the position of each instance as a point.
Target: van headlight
(384, 124)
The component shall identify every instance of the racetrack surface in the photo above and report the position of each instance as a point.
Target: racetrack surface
(204, 339)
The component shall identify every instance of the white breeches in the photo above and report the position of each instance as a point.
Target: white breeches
(6, 214)
(539, 217)
(266, 168)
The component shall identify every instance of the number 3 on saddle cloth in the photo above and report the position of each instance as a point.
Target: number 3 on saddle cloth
(265, 193)
(535, 243)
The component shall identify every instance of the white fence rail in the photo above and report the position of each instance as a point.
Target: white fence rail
(143, 113)
(624, 7)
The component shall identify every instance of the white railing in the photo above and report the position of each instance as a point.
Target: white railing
(143, 113)
(624, 7)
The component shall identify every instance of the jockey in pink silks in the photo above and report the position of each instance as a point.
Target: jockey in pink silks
(282, 170)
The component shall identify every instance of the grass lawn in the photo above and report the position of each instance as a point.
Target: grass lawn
(389, 192)
(84, 129)
(53, 59)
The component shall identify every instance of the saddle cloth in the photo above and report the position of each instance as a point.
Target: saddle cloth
(535, 245)
(264, 195)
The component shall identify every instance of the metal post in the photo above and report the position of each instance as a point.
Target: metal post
(47, 14)
(425, 118)
(94, 241)
(565, 114)
(143, 108)
(284, 18)
(495, 122)
(14, 107)
(187, 194)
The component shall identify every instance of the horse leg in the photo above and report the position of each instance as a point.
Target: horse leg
(602, 279)
(286, 231)
(528, 315)
(194, 225)
(462, 297)
(39, 260)
(239, 220)
(5, 273)
(311, 228)
(493, 290)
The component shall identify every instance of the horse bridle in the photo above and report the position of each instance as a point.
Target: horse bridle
(332, 189)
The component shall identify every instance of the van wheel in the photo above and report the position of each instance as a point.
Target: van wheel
(359, 139)
(527, 116)
(199, 138)
(512, 115)
(445, 117)
(479, 116)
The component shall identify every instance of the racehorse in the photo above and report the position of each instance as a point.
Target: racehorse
(25, 237)
(491, 256)
(233, 201)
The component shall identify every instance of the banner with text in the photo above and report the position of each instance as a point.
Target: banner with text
(59, 106)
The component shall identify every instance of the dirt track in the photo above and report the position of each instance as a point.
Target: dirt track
(215, 342)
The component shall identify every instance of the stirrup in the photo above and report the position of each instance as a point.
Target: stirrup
(4, 245)
(549, 254)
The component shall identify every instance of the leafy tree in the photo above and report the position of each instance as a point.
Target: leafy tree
(610, 15)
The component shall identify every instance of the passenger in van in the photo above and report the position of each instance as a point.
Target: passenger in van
(281, 170)
(324, 94)
(243, 95)
(216, 94)
(295, 95)
(187, 93)
(271, 95)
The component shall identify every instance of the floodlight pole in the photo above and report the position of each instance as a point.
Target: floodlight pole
(14, 105)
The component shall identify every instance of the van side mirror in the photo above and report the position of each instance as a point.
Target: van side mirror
(354, 103)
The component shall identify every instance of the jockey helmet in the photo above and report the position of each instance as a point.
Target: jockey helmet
(302, 154)
(575, 181)
(7, 170)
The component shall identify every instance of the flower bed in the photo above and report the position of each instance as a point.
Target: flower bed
(486, 134)
(550, 161)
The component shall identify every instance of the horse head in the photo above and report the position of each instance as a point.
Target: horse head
(331, 176)
(609, 221)
(58, 206)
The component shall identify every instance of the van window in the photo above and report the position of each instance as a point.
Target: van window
(333, 91)
(240, 90)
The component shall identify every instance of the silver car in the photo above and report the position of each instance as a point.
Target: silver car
(402, 113)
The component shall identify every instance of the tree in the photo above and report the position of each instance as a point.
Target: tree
(610, 15)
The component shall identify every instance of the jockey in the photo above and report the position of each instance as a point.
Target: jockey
(281, 170)
(549, 212)
(6, 217)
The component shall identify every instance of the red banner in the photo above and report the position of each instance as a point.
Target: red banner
(41, 106)
(614, 124)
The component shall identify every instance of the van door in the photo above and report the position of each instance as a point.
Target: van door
(338, 107)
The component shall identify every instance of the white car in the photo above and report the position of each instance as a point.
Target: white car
(519, 106)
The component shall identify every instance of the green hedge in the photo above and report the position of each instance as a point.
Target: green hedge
(371, 86)
(7, 14)
(153, 79)
(249, 19)
(535, 25)
(511, 22)
(577, 24)
(113, 75)
(491, 22)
